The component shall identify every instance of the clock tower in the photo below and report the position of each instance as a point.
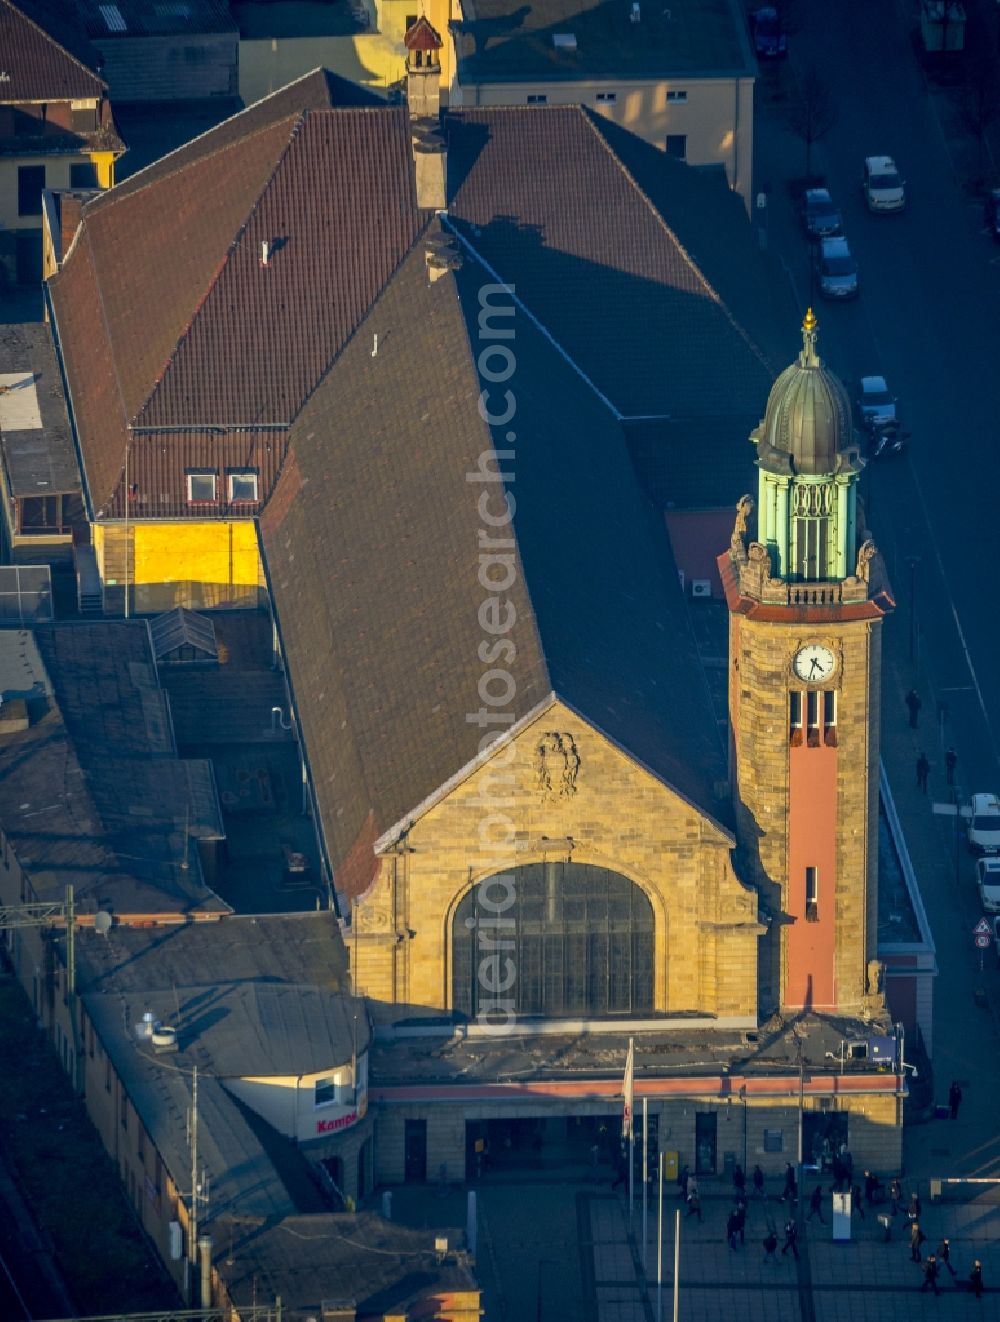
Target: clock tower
(807, 594)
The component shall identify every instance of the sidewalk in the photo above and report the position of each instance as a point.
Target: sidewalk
(966, 1043)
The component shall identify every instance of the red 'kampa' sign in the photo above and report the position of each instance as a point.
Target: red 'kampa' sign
(341, 1122)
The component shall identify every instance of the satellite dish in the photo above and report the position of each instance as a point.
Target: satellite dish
(102, 922)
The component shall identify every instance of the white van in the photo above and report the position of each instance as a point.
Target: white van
(984, 824)
(884, 190)
(988, 880)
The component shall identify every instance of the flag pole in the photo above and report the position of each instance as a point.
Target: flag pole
(631, 1131)
(659, 1243)
(645, 1182)
(677, 1264)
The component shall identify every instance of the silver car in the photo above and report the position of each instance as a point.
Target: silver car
(836, 269)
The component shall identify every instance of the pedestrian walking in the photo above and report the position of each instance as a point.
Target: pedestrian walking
(816, 1205)
(790, 1190)
(914, 704)
(923, 771)
(895, 1195)
(694, 1204)
(914, 1210)
(741, 1221)
(950, 763)
(930, 1275)
(758, 1182)
(791, 1235)
(856, 1204)
(872, 1186)
(770, 1246)
(739, 1179)
(621, 1171)
(954, 1098)
(732, 1229)
(917, 1237)
(944, 1256)
(976, 1279)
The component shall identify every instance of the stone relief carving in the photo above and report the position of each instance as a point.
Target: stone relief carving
(867, 552)
(876, 977)
(744, 508)
(557, 764)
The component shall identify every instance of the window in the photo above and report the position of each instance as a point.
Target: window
(123, 1105)
(107, 1073)
(812, 895)
(607, 98)
(242, 487)
(84, 119)
(409, 22)
(577, 940)
(83, 174)
(158, 1177)
(830, 708)
(325, 1091)
(812, 710)
(537, 99)
(774, 1140)
(677, 97)
(90, 1038)
(201, 487)
(795, 715)
(677, 145)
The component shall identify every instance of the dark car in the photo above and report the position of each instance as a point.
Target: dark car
(769, 42)
(992, 213)
(820, 218)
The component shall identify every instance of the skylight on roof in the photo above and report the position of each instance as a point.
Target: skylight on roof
(564, 40)
(174, 10)
(112, 16)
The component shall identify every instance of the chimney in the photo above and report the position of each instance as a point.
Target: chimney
(441, 254)
(265, 251)
(430, 161)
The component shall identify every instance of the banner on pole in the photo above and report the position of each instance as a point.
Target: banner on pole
(628, 1090)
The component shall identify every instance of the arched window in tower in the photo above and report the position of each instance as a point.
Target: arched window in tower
(556, 939)
(812, 527)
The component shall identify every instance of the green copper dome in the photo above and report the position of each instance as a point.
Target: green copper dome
(808, 465)
(807, 422)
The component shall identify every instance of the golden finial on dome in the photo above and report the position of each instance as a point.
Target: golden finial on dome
(808, 357)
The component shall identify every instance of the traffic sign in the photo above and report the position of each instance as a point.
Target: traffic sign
(982, 928)
(982, 940)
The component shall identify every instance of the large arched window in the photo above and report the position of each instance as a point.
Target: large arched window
(557, 939)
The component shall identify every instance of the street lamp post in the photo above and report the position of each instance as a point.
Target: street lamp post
(743, 1099)
(912, 561)
(542, 1262)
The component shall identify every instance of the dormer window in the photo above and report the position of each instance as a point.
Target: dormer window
(242, 486)
(201, 486)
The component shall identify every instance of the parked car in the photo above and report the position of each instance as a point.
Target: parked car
(984, 824)
(836, 269)
(878, 417)
(884, 189)
(988, 882)
(991, 213)
(769, 41)
(820, 218)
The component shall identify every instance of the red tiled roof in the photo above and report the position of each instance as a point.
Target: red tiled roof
(38, 68)
(421, 36)
(199, 332)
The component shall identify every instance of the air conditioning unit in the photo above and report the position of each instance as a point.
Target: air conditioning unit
(701, 588)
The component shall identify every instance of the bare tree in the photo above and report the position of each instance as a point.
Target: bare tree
(978, 96)
(812, 114)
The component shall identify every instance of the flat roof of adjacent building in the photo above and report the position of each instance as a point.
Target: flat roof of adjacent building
(36, 444)
(571, 40)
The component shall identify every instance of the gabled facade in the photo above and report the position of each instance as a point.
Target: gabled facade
(56, 128)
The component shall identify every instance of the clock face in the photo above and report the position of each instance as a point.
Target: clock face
(814, 663)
